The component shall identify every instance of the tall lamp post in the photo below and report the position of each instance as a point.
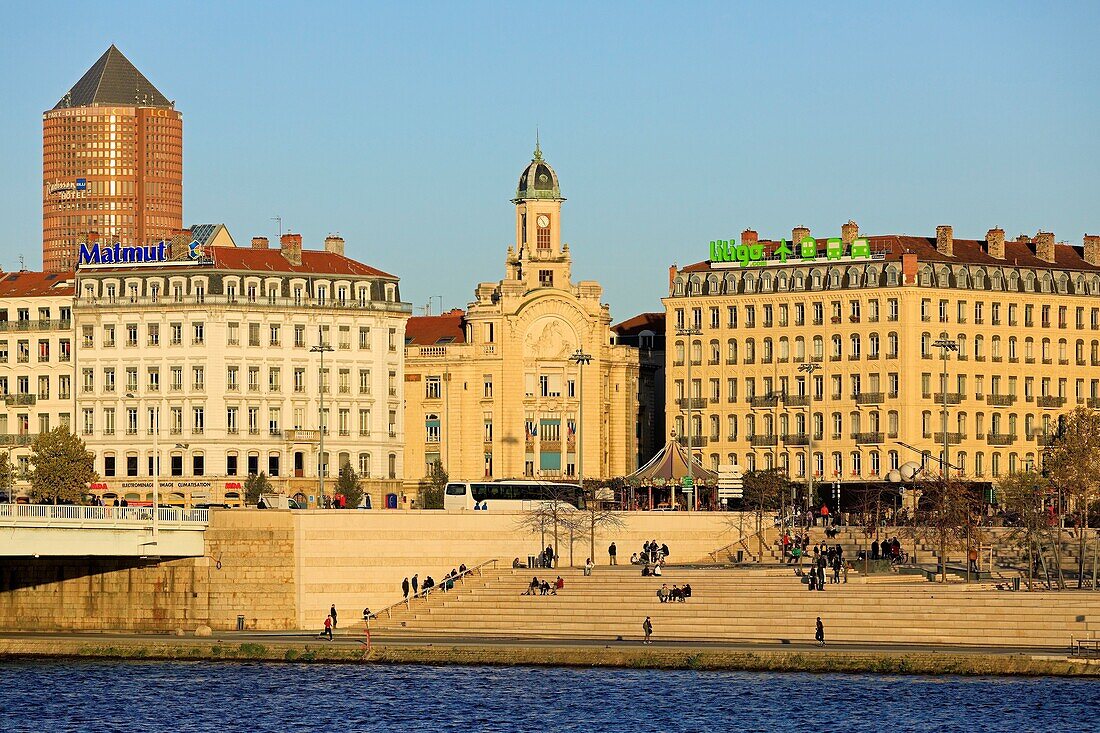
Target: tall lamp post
(945, 346)
(689, 401)
(582, 360)
(809, 368)
(156, 470)
(322, 464)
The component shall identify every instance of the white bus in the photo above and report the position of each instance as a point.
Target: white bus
(508, 495)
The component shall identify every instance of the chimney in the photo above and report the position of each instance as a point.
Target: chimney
(671, 276)
(1044, 246)
(945, 243)
(1023, 238)
(995, 243)
(290, 245)
(749, 236)
(259, 243)
(335, 244)
(909, 268)
(1092, 249)
(849, 232)
(799, 233)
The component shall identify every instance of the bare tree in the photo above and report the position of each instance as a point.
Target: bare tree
(1072, 462)
(597, 516)
(554, 513)
(764, 494)
(1023, 498)
(946, 514)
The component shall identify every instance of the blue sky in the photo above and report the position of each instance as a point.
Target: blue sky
(404, 128)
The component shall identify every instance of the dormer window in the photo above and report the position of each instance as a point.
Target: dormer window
(322, 295)
(364, 296)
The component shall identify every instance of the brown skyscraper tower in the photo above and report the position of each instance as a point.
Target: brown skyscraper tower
(112, 163)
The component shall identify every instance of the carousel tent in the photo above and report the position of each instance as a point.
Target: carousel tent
(670, 466)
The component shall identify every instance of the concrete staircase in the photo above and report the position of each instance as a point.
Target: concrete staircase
(750, 605)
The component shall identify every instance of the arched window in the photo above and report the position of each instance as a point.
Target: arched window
(731, 351)
(799, 348)
(855, 346)
(836, 346)
(819, 347)
(872, 346)
(732, 424)
(715, 428)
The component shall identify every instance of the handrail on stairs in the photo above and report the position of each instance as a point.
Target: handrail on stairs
(423, 592)
(742, 541)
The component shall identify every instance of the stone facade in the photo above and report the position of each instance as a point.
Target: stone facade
(493, 391)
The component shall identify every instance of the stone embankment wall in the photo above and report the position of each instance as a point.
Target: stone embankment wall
(283, 569)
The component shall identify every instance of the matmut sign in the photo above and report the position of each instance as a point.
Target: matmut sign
(730, 254)
(122, 254)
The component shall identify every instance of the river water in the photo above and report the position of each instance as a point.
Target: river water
(119, 697)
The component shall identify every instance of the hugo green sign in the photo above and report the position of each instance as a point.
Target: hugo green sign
(752, 255)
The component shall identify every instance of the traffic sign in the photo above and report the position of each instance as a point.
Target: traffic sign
(687, 482)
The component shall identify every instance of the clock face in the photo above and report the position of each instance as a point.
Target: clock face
(543, 221)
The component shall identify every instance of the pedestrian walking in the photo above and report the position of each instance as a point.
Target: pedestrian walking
(612, 553)
(588, 566)
(647, 627)
(416, 584)
(328, 628)
(332, 613)
(820, 634)
(405, 587)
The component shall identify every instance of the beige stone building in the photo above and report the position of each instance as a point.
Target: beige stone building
(492, 391)
(830, 349)
(36, 358)
(216, 345)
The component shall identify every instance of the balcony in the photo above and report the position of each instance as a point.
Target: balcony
(816, 359)
(692, 403)
(796, 400)
(764, 441)
(853, 357)
(696, 441)
(868, 438)
(1050, 402)
(1094, 402)
(15, 440)
(302, 436)
(20, 400)
(795, 439)
(1044, 440)
(955, 438)
(1001, 400)
(1000, 440)
(869, 398)
(834, 357)
(764, 401)
(951, 398)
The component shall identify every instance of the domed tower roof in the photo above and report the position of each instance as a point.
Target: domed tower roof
(538, 180)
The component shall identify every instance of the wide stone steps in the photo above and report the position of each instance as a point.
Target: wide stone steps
(758, 604)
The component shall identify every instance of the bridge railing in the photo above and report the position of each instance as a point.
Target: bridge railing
(134, 517)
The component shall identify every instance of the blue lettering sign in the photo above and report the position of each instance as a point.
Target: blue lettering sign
(81, 184)
(117, 254)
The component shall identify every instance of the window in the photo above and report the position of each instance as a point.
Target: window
(299, 336)
(487, 386)
(273, 331)
(198, 420)
(364, 381)
(364, 337)
(231, 423)
(433, 388)
(199, 333)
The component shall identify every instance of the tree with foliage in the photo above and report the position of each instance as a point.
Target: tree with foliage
(349, 487)
(598, 515)
(947, 513)
(1072, 463)
(7, 476)
(1023, 498)
(256, 485)
(62, 467)
(432, 487)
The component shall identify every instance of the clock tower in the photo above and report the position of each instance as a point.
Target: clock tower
(539, 259)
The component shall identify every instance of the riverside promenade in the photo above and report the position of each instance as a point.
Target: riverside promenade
(350, 647)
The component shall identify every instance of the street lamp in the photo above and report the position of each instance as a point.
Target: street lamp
(582, 360)
(322, 464)
(809, 368)
(945, 345)
(690, 403)
(156, 470)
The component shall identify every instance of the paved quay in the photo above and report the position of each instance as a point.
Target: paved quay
(350, 646)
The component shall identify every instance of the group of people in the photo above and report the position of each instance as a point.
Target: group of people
(888, 549)
(543, 587)
(676, 594)
(445, 584)
(651, 554)
(330, 623)
(825, 558)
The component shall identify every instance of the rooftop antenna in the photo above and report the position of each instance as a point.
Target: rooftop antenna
(22, 264)
(280, 220)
